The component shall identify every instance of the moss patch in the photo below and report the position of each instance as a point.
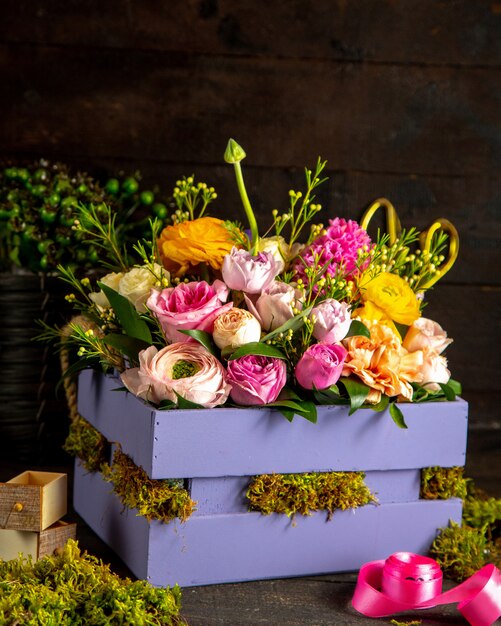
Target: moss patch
(154, 499)
(87, 444)
(442, 483)
(305, 493)
(74, 589)
(461, 551)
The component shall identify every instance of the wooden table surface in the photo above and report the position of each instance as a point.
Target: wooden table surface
(306, 601)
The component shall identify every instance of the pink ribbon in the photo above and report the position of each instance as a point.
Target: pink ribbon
(406, 581)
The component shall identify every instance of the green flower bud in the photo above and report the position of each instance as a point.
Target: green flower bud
(234, 153)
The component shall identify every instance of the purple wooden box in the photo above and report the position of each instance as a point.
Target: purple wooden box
(218, 450)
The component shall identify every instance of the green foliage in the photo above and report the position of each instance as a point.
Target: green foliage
(163, 500)
(87, 443)
(304, 493)
(461, 551)
(75, 589)
(40, 209)
(442, 483)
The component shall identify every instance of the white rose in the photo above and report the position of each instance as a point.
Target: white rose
(137, 283)
(277, 247)
(112, 281)
(235, 328)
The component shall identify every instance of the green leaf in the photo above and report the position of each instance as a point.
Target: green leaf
(258, 348)
(183, 403)
(289, 415)
(130, 346)
(304, 408)
(166, 405)
(455, 386)
(357, 392)
(293, 324)
(381, 406)
(127, 315)
(449, 392)
(358, 329)
(202, 337)
(397, 415)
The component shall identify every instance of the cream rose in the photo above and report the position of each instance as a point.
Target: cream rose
(186, 369)
(235, 328)
(277, 247)
(426, 334)
(112, 281)
(434, 370)
(137, 283)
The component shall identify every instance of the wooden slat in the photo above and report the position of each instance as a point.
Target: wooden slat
(180, 107)
(417, 31)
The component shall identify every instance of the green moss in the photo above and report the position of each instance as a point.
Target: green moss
(479, 510)
(154, 499)
(442, 483)
(304, 493)
(462, 550)
(414, 622)
(74, 589)
(87, 443)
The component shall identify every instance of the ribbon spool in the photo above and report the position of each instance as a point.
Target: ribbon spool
(394, 229)
(407, 581)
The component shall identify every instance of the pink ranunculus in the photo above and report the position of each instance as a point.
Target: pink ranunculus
(320, 366)
(250, 274)
(256, 379)
(426, 334)
(274, 306)
(332, 320)
(434, 370)
(188, 306)
(187, 369)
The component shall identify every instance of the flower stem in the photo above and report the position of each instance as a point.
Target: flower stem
(233, 155)
(247, 207)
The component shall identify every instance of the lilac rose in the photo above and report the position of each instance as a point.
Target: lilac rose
(320, 366)
(332, 320)
(189, 306)
(244, 272)
(256, 379)
(275, 305)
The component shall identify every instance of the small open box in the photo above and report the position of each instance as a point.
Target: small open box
(33, 501)
(34, 544)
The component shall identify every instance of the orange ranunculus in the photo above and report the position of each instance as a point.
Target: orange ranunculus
(382, 363)
(204, 240)
(388, 297)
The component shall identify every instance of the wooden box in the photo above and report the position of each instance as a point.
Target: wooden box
(217, 451)
(35, 544)
(33, 501)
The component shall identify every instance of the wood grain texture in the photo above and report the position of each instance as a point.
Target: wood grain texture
(150, 105)
(380, 31)
(30, 499)
(55, 537)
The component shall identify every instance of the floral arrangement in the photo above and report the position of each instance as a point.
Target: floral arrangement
(38, 207)
(206, 313)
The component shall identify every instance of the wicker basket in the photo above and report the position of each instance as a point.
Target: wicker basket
(33, 420)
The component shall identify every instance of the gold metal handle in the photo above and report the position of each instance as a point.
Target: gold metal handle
(392, 222)
(425, 240)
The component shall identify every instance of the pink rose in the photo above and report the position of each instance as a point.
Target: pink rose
(425, 333)
(274, 306)
(250, 274)
(320, 366)
(332, 320)
(189, 306)
(256, 379)
(187, 369)
(434, 370)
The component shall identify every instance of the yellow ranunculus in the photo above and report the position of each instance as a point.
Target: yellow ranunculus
(387, 296)
(204, 240)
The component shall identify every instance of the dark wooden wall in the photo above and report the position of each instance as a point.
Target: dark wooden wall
(402, 97)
